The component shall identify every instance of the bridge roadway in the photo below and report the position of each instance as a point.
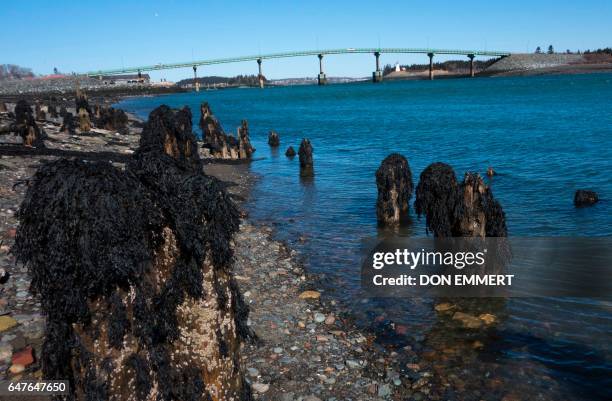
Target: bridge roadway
(376, 75)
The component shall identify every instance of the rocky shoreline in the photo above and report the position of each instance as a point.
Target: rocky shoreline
(306, 348)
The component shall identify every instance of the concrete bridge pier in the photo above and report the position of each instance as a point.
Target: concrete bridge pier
(196, 84)
(260, 76)
(377, 76)
(321, 78)
(431, 74)
(471, 57)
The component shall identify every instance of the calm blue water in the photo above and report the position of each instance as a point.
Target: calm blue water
(545, 136)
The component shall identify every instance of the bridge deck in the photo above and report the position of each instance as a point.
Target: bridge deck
(295, 54)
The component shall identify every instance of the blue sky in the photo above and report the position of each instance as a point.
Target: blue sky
(82, 35)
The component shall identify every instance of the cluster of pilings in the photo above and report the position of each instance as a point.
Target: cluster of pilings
(451, 208)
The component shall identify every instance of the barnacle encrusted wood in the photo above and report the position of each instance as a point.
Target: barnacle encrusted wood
(133, 268)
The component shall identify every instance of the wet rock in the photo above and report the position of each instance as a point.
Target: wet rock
(24, 357)
(584, 197)
(306, 162)
(468, 321)
(319, 317)
(290, 153)
(260, 387)
(488, 318)
(329, 320)
(384, 391)
(273, 139)
(310, 294)
(491, 172)
(16, 369)
(394, 183)
(6, 323)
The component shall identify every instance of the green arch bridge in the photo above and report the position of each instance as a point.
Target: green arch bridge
(376, 75)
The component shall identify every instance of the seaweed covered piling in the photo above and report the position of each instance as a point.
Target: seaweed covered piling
(152, 310)
(585, 197)
(68, 123)
(306, 163)
(394, 183)
(245, 149)
(110, 119)
(273, 139)
(453, 209)
(25, 126)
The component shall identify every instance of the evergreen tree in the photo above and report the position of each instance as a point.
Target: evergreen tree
(538, 50)
(550, 49)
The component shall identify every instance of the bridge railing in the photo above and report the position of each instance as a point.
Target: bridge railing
(350, 50)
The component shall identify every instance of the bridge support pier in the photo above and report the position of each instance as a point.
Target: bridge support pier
(431, 74)
(260, 76)
(377, 76)
(196, 84)
(471, 57)
(322, 79)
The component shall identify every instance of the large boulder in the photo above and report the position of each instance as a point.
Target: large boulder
(306, 162)
(133, 270)
(394, 183)
(585, 197)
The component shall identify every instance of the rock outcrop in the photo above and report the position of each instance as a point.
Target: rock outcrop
(394, 183)
(306, 162)
(133, 269)
(585, 197)
(273, 139)
(458, 210)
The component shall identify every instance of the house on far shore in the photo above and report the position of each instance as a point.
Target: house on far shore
(126, 79)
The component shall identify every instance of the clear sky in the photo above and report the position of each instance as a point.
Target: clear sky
(85, 35)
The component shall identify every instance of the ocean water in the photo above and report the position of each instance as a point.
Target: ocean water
(545, 137)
